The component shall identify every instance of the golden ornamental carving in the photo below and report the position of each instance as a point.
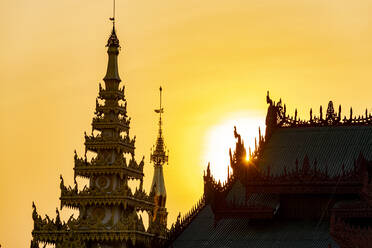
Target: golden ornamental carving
(99, 166)
(107, 206)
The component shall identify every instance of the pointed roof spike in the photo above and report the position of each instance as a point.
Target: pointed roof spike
(321, 112)
(339, 111)
(231, 157)
(311, 114)
(295, 114)
(351, 113)
(259, 132)
(268, 100)
(255, 144)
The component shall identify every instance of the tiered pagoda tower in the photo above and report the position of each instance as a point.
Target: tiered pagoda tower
(159, 157)
(108, 207)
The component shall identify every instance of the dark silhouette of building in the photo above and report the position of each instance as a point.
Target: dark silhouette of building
(108, 207)
(306, 184)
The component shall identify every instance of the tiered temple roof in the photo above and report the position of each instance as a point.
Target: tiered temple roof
(108, 207)
(306, 184)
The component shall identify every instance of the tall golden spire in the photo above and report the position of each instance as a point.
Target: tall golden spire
(159, 157)
(108, 203)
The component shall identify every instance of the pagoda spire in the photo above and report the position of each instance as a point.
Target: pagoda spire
(108, 206)
(159, 157)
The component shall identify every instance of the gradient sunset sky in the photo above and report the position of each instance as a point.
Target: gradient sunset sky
(214, 58)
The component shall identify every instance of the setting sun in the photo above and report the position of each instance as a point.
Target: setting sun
(221, 137)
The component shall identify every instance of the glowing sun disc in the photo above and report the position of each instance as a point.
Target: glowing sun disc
(221, 137)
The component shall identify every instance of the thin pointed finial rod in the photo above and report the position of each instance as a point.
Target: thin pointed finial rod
(160, 110)
(113, 14)
(160, 89)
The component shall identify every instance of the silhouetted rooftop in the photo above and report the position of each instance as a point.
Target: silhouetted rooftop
(330, 146)
(259, 234)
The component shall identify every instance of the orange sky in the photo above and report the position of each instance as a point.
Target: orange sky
(214, 58)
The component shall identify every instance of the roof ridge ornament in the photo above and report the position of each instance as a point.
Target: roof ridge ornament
(276, 117)
(330, 112)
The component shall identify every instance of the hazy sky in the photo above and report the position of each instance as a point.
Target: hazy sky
(214, 58)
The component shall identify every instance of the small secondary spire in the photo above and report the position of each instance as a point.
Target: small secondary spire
(159, 157)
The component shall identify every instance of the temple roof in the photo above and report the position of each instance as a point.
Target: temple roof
(330, 146)
(278, 198)
(237, 196)
(245, 233)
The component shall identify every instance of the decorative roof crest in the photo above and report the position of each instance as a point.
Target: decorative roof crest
(277, 117)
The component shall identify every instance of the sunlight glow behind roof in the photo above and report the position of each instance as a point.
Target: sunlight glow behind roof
(221, 137)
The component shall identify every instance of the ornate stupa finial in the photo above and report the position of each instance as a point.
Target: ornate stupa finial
(159, 158)
(113, 52)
